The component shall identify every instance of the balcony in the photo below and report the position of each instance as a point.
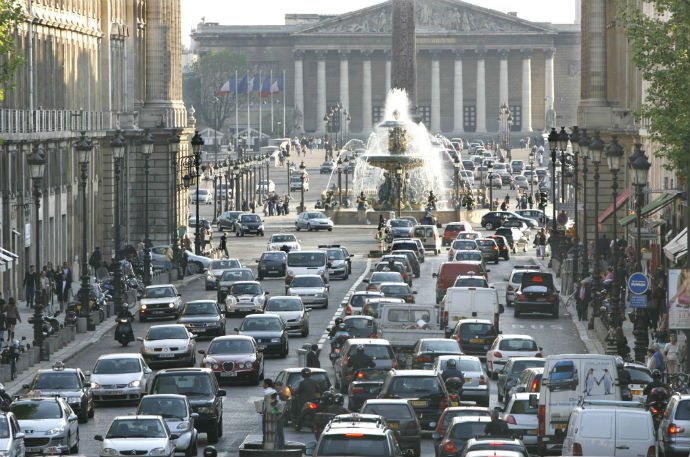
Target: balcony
(20, 121)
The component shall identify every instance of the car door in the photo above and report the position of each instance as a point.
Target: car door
(634, 433)
(17, 449)
(86, 388)
(72, 422)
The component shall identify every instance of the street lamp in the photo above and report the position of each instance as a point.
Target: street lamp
(267, 161)
(302, 177)
(197, 143)
(531, 176)
(174, 143)
(84, 148)
(490, 176)
(563, 138)
(340, 188)
(215, 176)
(236, 181)
(456, 169)
(346, 166)
(614, 156)
(147, 149)
(553, 147)
(505, 117)
(583, 144)
(640, 172)
(37, 166)
(118, 147)
(575, 143)
(596, 149)
(399, 175)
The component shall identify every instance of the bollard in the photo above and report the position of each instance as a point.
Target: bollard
(81, 325)
(91, 322)
(302, 357)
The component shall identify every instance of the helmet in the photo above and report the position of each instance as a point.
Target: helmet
(327, 397)
(658, 394)
(314, 347)
(338, 321)
(210, 451)
(306, 372)
(656, 374)
(339, 399)
(360, 348)
(451, 364)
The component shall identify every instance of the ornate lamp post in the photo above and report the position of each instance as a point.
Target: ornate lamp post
(531, 176)
(456, 170)
(302, 176)
(346, 169)
(147, 149)
(614, 156)
(215, 177)
(37, 166)
(399, 175)
(197, 143)
(575, 143)
(553, 147)
(84, 148)
(596, 149)
(340, 188)
(563, 138)
(236, 181)
(640, 172)
(490, 176)
(267, 161)
(584, 151)
(505, 118)
(118, 147)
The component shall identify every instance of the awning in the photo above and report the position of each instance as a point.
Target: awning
(7, 259)
(620, 201)
(652, 207)
(677, 246)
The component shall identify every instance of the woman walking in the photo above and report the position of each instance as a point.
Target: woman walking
(12, 317)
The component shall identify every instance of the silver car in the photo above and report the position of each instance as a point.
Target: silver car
(132, 435)
(167, 345)
(293, 312)
(310, 288)
(161, 300)
(177, 413)
(476, 387)
(313, 220)
(120, 377)
(217, 268)
(49, 424)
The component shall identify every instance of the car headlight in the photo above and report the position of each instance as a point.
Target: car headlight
(171, 305)
(205, 410)
(320, 271)
(244, 227)
(158, 451)
(109, 451)
(95, 385)
(148, 350)
(142, 307)
(74, 400)
(184, 425)
(210, 276)
(275, 340)
(135, 383)
(258, 300)
(56, 431)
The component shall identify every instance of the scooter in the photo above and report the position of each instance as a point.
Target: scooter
(305, 417)
(124, 333)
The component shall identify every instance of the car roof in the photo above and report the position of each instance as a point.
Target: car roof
(245, 282)
(299, 370)
(175, 396)
(523, 395)
(475, 321)
(120, 355)
(136, 417)
(515, 336)
(307, 276)
(415, 373)
(461, 419)
(360, 316)
(368, 292)
(160, 286)
(259, 316)
(232, 337)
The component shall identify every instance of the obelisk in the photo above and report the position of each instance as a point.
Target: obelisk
(404, 58)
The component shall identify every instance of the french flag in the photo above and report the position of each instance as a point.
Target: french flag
(277, 86)
(228, 87)
(266, 87)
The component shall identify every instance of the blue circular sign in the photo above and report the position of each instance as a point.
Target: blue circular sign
(638, 283)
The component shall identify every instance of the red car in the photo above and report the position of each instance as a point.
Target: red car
(451, 231)
(234, 357)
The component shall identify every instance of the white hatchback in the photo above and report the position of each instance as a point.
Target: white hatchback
(507, 346)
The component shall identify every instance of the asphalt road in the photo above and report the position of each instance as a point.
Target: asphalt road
(240, 419)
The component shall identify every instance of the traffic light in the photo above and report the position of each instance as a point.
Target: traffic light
(543, 199)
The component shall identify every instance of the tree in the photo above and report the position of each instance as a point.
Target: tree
(660, 38)
(212, 71)
(10, 14)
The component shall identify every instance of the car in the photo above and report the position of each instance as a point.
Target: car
(529, 381)
(489, 248)
(467, 176)
(372, 305)
(176, 411)
(265, 186)
(271, 263)
(537, 294)
(365, 385)
(507, 346)
(297, 184)
(249, 223)
(400, 417)
(201, 196)
(483, 446)
(459, 431)
(468, 256)
(48, 423)
(326, 167)
(510, 374)
(409, 244)
(476, 386)
(411, 259)
(492, 180)
(203, 318)
(399, 228)
(398, 290)
(293, 312)
(674, 428)
(161, 300)
(468, 235)
(217, 268)
(195, 263)
(69, 383)
(204, 225)
(426, 350)
(516, 224)
(515, 280)
(245, 297)
(356, 439)
(536, 215)
(311, 289)
(119, 377)
(461, 245)
(428, 234)
(291, 378)
(11, 437)
(168, 345)
(474, 336)
(282, 241)
(516, 166)
(513, 236)
(339, 265)
(229, 278)
(494, 219)
(313, 220)
(425, 390)
(268, 330)
(503, 246)
(227, 219)
(520, 182)
(467, 409)
(379, 350)
(361, 326)
(639, 376)
(378, 277)
(131, 435)
(392, 265)
(200, 386)
(355, 303)
(234, 357)
(532, 177)
(470, 280)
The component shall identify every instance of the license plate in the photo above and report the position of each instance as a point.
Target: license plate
(541, 299)
(560, 426)
(476, 340)
(112, 392)
(468, 380)
(531, 432)
(393, 425)
(418, 403)
(228, 374)
(262, 346)
(166, 355)
(273, 271)
(158, 312)
(33, 450)
(636, 392)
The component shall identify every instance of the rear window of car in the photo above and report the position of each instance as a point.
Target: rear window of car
(522, 365)
(464, 413)
(522, 407)
(359, 444)
(358, 323)
(440, 346)
(406, 386)
(537, 279)
(518, 345)
(470, 330)
(485, 243)
(639, 376)
(389, 411)
(408, 245)
(467, 430)
(321, 379)
(683, 410)
(463, 364)
(375, 351)
(358, 300)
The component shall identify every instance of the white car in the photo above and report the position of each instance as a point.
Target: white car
(521, 417)
(11, 443)
(132, 435)
(520, 182)
(245, 297)
(48, 423)
(310, 288)
(120, 377)
(161, 300)
(313, 220)
(279, 240)
(204, 196)
(507, 346)
(167, 345)
(265, 186)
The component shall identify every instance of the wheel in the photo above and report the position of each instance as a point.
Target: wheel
(516, 312)
(305, 332)
(309, 227)
(496, 261)
(500, 398)
(330, 229)
(489, 226)
(285, 352)
(260, 278)
(212, 436)
(554, 313)
(74, 449)
(297, 228)
(83, 417)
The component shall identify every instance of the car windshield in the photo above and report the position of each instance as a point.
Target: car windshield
(395, 412)
(194, 385)
(159, 292)
(415, 386)
(386, 276)
(250, 218)
(234, 346)
(317, 216)
(284, 304)
(486, 243)
(468, 255)
(223, 264)
(166, 333)
(521, 365)
(117, 366)
(353, 444)
(261, 325)
(452, 414)
(517, 345)
(166, 407)
(400, 223)
(307, 281)
(440, 346)
(136, 428)
(467, 430)
(359, 299)
(471, 330)
(283, 238)
(57, 381)
(36, 410)
(246, 289)
(273, 257)
(394, 289)
(336, 254)
(200, 308)
(306, 259)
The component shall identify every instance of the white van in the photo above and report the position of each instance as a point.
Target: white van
(470, 303)
(568, 380)
(306, 263)
(620, 429)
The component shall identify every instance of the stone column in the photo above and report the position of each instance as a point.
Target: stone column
(526, 91)
(503, 77)
(458, 94)
(299, 93)
(549, 90)
(344, 79)
(481, 93)
(388, 70)
(435, 92)
(320, 92)
(594, 55)
(366, 93)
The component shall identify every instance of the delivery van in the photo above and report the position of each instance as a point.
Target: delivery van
(568, 380)
(469, 303)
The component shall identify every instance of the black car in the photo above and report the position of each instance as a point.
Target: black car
(411, 258)
(489, 248)
(249, 223)
(226, 221)
(361, 326)
(203, 318)
(401, 418)
(475, 336)
(366, 384)
(200, 386)
(272, 263)
(494, 219)
(268, 330)
(537, 294)
(503, 246)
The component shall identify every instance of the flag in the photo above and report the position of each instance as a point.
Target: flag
(242, 86)
(255, 83)
(277, 85)
(229, 86)
(266, 87)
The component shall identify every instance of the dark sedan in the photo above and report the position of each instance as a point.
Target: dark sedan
(203, 318)
(427, 349)
(234, 357)
(269, 332)
(272, 263)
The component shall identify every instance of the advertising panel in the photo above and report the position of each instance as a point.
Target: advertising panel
(679, 299)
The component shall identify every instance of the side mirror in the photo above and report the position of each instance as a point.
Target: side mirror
(436, 435)
(258, 260)
(310, 448)
(414, 292)
(267, 293)
(98, 437)
(221, 393)
(488, 271)
(540, 348)
(237, 329)
(87, 384)
(19, 435)
(174, 436)
(365, 280)
(140, 338)
(195, 415)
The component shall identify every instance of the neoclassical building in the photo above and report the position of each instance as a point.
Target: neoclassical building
(470, 60)
(93, 67)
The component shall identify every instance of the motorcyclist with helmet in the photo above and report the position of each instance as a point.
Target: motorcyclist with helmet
(360, 360)
(452, 371)
(339, 336)
(337, 407)
(655, 389)
(305, 391)
(334, 329)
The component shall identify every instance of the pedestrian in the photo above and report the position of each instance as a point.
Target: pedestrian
(44, 292)
(655, 359)
(313, 357)
(96, 259)
(30, 283)
(58, 288)
(12, 317)
(66, 282)
(540, 243)
(672, 353)
(224, 244)
(267, 425)
(530, 200)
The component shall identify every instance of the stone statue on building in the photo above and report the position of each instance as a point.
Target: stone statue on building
(297, 119)
(550, 119)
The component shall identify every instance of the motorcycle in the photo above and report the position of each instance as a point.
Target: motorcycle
(305, 416)
(49, 323)
(337, 343)
(124, 332)
(657, 407)
(5, 399)
(454, 388)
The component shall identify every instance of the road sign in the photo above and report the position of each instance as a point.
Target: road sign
(562, 218)
(638, 301)
(638, 283)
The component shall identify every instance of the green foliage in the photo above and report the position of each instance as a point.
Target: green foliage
(10, 15)
(212, 71)
(661, 46)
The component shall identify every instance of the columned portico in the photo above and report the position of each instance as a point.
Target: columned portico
(526, 90)
(388, 70)
(435, 92)
(366, 93)
(320, 91)
(503, 76)
(549, 86)
(458, 94)
(481, 92)
(299, 93)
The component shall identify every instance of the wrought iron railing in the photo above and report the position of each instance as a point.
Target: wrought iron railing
(16, 121)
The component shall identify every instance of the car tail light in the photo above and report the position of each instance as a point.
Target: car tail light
(535, 386)
(541, 416)
(520, 297)
(651, 451)
(424, 359)
(495, 248)
(553, 299)
(577, 449)
(510, 288)
(482, 380)
(674, 429)
(348, 310)
(354, 435)
(538, 354)
(312, 405)
(409, 298)
(498, 355)
(358, 391)
(450, 447)
(653, 410)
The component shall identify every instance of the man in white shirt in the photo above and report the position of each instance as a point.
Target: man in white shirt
(672, 352)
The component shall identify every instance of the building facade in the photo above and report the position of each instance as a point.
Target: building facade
(92, 67)
(470, 60)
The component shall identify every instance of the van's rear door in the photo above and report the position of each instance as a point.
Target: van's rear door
(634, 433)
